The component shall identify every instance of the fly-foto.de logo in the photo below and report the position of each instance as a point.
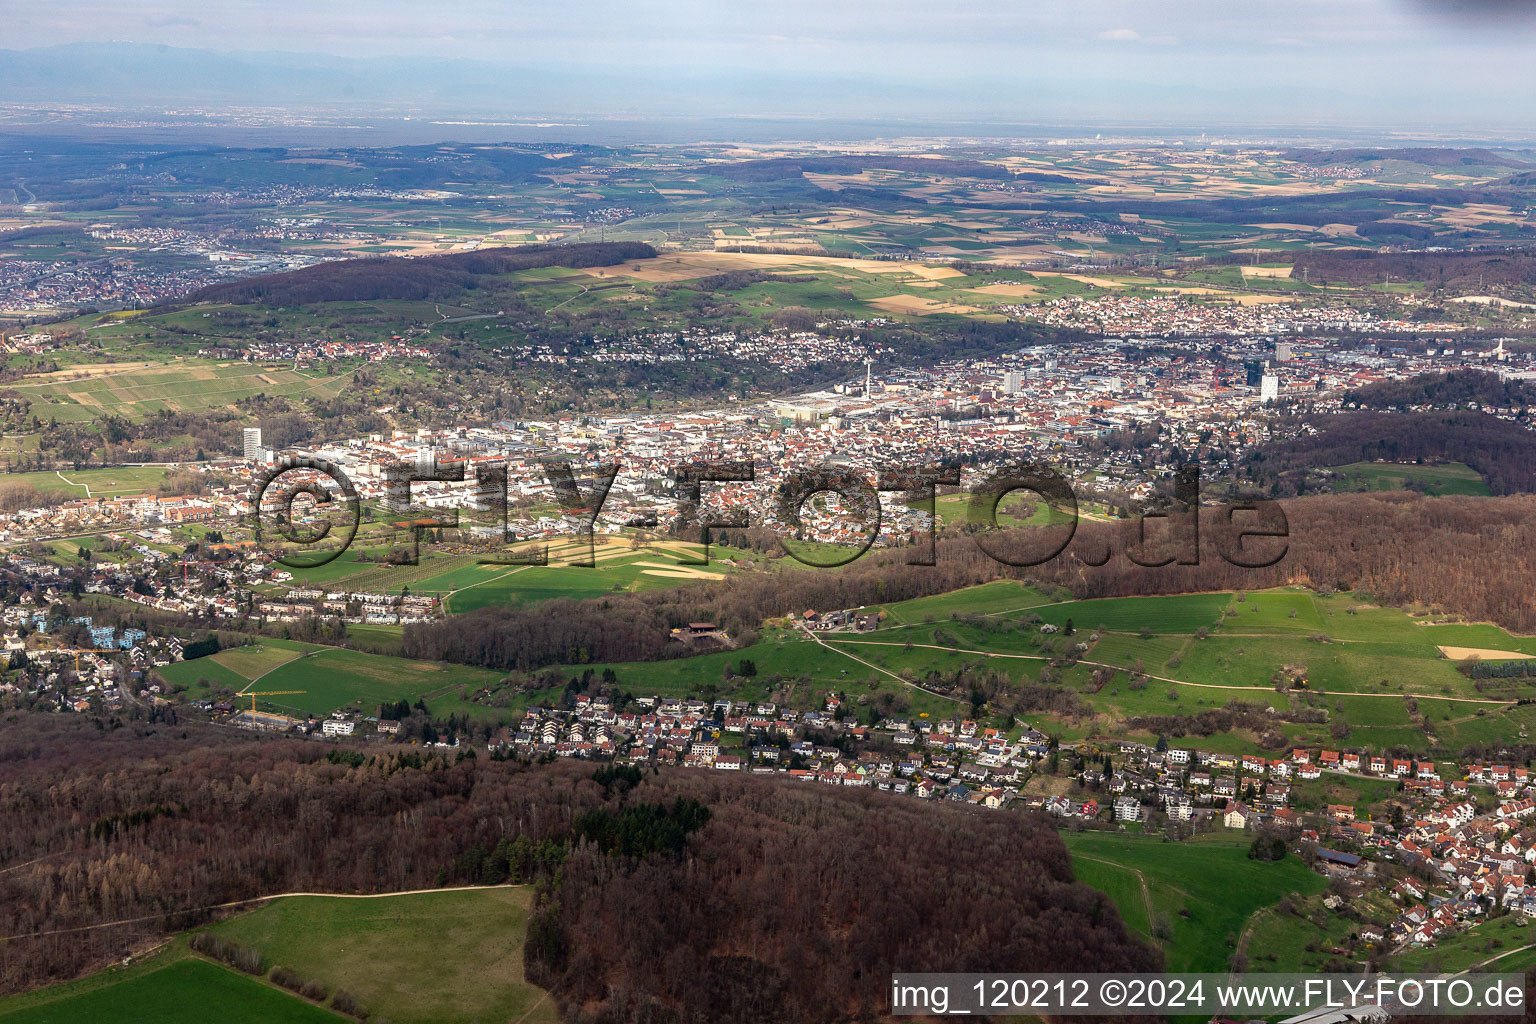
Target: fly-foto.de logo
(310, 511)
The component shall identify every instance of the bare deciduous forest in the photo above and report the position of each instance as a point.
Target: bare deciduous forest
(778, 901)
(428, 277)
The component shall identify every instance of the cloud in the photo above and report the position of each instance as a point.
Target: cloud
(172, 21)
(1130, 35)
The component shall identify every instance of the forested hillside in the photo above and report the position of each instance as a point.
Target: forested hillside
(1502, 451)
(678, 896)
(793, 167)
(425, 277)
(1456, 389)
(798, 904)
(1442, 270)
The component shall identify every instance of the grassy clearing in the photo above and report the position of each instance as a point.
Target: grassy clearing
(1450, 478)
(425, 958)
(1305, 940)
(184, 385)
(334, 678)
(1123, 886)
(184, 991)
(1181, 613)
(102, 483)
(386, 640)
(997, 598)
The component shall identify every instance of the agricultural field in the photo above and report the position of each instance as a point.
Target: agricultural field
(1014, 510)
(236, 667)
(860, 287)
(1194, 899)
(377, 639)
(451, 957)
(334, 678)
(997, 598)
(136, 390)
(331, 678)
(425, 958)
(465, 582)
(1351, 672)
(619, 566)
(94, 483)
(179, 989)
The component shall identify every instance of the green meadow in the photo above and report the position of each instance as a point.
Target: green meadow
(1192, 898)
(137, 390)
(1447, 478)
(452, 957)
(424, 958)
(101, 483)
(332, 677)
(1375, 677)
(182, 991)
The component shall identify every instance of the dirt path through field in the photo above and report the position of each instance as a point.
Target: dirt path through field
(683, 572)
(248, 902)
(1164, 679)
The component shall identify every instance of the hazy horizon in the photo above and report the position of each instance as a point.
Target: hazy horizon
(1400, 65)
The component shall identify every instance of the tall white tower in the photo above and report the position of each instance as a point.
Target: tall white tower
(251, 444)
(868, 377)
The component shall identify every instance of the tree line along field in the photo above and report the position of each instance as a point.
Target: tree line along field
(1366, 676)
(449, 957)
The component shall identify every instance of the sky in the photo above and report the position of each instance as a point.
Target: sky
(1402, 63)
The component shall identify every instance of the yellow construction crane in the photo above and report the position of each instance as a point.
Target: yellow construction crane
(77, 651)
(92, 650)
(267, 693)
